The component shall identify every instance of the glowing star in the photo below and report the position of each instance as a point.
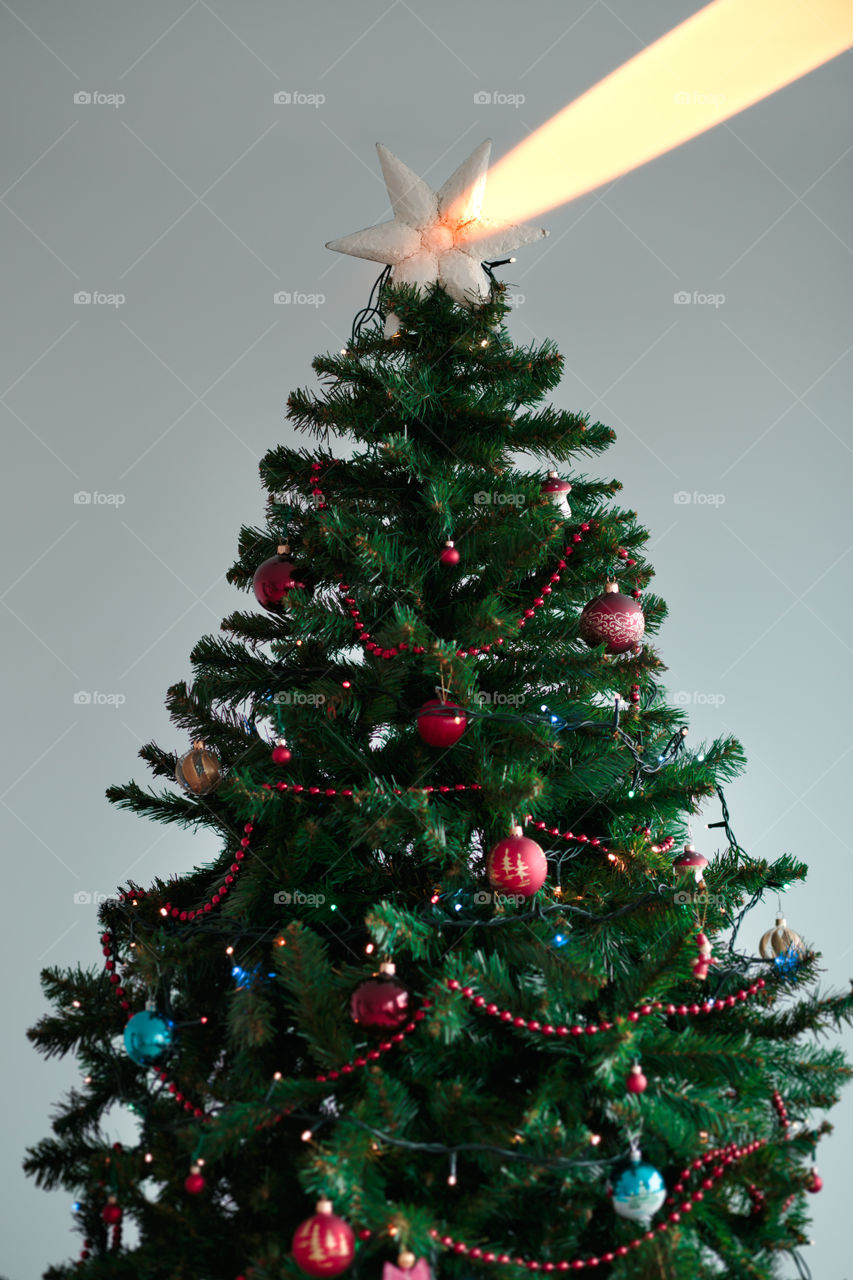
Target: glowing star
(437, 235)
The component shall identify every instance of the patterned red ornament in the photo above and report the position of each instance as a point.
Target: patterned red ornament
(281, 753)
(612, 619)
(449, 554)
(380, 1003)
(323, 1245)
(441, 723)
(517, 865)
(275, 577)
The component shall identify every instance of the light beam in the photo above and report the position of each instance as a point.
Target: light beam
(721, 60)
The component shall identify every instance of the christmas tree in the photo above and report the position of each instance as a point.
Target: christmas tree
(459, 996)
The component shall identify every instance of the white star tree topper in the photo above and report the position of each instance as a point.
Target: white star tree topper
(437, 235)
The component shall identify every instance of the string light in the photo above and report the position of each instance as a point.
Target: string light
(148, 1158)
(277, 1075)
(306, 1135)
(229, 951)
(595, 1138)
(451, 1177)
(369, 949)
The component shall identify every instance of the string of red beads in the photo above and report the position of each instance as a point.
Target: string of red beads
(593, 1028)
(725, 1157)
(234, 870)
(781, 1111)
(384, 1046)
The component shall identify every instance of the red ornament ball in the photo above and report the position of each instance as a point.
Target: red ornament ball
(440, 723)
(636, 1082)
(614, 620)
(274, 578)
(449, 555)
(323, 1245)
(281, 753)
(111, 1213)
(380, 1003)
(815, 1182)
(517, 865)
(194, 1183)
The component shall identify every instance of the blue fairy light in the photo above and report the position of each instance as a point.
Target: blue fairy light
(559, 940)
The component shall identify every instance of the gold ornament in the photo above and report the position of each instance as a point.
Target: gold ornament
(199, 771)
(779, 940)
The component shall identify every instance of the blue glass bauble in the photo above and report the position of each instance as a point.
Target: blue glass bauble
(147, 1038)
(638, 1192)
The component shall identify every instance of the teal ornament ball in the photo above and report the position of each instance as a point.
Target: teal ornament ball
(638, 1192)
(147, 1038)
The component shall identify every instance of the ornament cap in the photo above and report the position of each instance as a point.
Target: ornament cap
(324, 1205)
(198, 745)
(516, 830)
(283, 549)
(612, 586)
(388, 966)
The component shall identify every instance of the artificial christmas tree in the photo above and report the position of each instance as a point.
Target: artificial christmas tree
(437, 1005)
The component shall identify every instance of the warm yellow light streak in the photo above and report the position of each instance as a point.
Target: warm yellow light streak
(723, 59)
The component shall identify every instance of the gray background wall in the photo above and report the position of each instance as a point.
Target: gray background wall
(197, 199)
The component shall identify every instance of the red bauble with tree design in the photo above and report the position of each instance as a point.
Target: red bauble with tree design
(441, 723)
(380, 1003)
(323, 1245)
(614, 620)
(517, 865)
(275, 577)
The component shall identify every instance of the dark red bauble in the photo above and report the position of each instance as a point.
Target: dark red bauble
(517, 865)
(380, 1003)
(614, 620)
(636, 1082)
(815, 1182)
(441, 728)
(323, 1245)
(194, 1183)
(111, 1213)
(281, 754)
(274, 578)
(449, 554)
